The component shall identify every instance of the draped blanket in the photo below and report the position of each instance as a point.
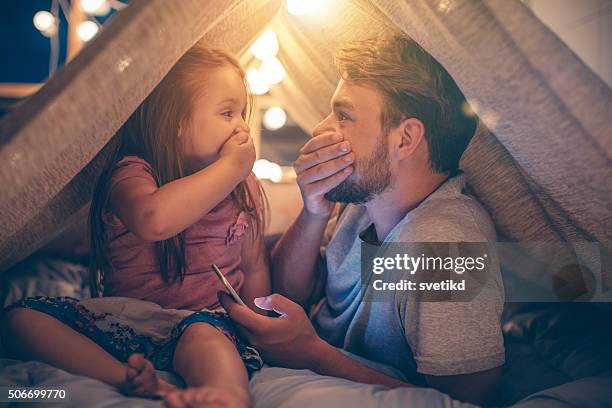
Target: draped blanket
(541, 161)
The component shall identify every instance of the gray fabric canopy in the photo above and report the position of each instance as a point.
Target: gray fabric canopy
(49, 141)
(541, 161)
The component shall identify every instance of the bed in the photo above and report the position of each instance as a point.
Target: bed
(558, 355)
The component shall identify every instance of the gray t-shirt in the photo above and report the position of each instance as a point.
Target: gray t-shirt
(434, 338)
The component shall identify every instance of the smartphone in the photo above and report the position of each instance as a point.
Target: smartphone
(231, 290)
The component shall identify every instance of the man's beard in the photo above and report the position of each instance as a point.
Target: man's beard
(370, 177)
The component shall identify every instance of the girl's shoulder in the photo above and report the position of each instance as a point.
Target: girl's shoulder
(128, 167)
(134, 163)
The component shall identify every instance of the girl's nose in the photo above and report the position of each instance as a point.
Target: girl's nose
(243, 127)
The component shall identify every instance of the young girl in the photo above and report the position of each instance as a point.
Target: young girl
(177, 195)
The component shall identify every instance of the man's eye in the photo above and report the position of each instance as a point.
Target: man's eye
(342, 117)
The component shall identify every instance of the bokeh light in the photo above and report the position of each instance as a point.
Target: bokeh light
(267, 170)
(95, 7)
(257, 83)
(45, 22)
(274, 118)
(272, 71)
(304, 7)
(87, 30)
(266, 46)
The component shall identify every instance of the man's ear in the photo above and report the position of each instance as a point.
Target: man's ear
(410, 134)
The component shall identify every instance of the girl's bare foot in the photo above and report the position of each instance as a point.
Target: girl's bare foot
(213, 397)
(141, 379)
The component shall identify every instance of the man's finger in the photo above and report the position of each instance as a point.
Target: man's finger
(242, 315)
(324, 170)
(277, 303)
(265, 303)
(308, 160)
(325, 139)
(325, 185)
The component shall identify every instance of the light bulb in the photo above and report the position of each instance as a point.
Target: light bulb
(266, 46)
(272, 71)
(95, 7)
(87, 30)
(45, 22)
(274, 118)
(303, 7)
(257, 83)
(266, 170)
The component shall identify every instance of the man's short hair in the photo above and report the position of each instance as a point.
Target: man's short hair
(414, 85)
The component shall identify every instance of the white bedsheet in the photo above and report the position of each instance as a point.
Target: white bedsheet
(285, 388)
(270, 387)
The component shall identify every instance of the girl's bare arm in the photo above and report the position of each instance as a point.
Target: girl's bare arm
(155, 214)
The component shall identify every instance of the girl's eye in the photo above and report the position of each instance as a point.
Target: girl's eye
(227, 114)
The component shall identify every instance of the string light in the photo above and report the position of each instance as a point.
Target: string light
(267, 170)
(490, 118)
(303, 7)
(87, 30)
(469, 108)
(257, 83)
(266, 46)
(444, 6)
(274, 118)
(46, 23)
(272, 71)
(95, 7)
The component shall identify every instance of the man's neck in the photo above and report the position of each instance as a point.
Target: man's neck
(390, 207)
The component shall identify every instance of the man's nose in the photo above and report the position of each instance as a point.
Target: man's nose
(326, 125)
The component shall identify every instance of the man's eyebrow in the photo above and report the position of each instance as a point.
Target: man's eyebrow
(343, 103)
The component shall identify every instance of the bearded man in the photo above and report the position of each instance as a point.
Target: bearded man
(389, 150)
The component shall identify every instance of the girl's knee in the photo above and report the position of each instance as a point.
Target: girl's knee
(21, 321)
(201, 331)
(202, 343)
(15, 319)
(198, 337)
(14, 324)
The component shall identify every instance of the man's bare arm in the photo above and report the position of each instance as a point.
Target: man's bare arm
(291, 341)
(477, 388)
(294, 261)
(327, 360)
(324, 162)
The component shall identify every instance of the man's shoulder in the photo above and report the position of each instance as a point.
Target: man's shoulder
(456, 218)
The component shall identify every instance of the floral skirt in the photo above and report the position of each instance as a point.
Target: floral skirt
(123, 326)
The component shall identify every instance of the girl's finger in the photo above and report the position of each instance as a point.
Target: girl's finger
(242, 137)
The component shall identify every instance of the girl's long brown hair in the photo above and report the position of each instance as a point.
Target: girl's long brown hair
(151, 133)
